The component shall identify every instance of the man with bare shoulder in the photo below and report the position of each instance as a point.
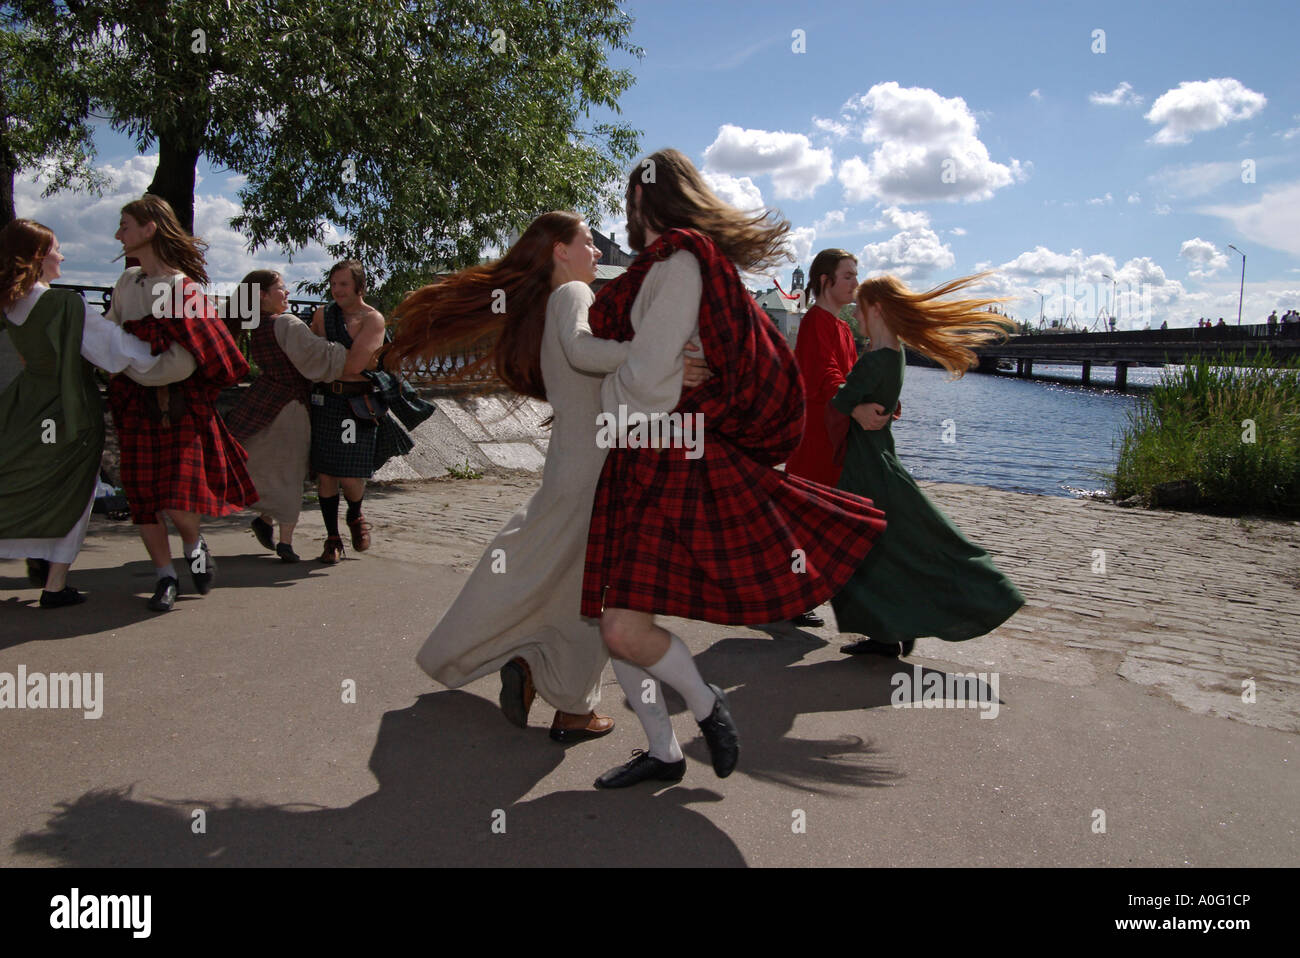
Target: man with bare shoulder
(343, 428)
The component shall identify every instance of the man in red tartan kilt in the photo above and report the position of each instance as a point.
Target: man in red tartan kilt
(691, 518)
(178, 457)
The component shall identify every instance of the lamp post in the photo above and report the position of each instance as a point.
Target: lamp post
(1040, 309)
(1242, 293)
(1111, 306)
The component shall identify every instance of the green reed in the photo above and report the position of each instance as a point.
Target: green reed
(1196, 425)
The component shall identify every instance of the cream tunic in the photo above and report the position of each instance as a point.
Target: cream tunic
(523, 597)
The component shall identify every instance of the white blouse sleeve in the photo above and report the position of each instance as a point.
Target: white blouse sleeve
(106, 345)
(651, 379)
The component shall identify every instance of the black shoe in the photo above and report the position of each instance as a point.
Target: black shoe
(165, 595)
(888, 650)
(286, 553)
(38, 570)
(809, 620)
(203, 568)
(517, 692)
(643, 767)
(55, 600)
(262, 531)
(720, 733)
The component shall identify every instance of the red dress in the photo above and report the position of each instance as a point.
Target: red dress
(825, 352)
(726, 537)
(189, 462)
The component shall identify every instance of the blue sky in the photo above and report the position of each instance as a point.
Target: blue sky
(936, 139)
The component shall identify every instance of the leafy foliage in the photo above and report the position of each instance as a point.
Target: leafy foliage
(1192, 426)
(419, 130)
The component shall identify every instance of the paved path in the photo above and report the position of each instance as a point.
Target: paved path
(1120, 694)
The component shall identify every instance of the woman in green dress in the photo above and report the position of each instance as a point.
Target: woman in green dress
(922, 577)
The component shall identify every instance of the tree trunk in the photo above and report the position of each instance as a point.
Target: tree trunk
(174, 178)
(7, 212)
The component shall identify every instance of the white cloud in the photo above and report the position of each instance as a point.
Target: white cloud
(957, 231)
(85, 225)
(1106, 200)
(1206, 258)
(789, 158)
(1199, 105)
(1293, 132)
(1273, 221)
(928, 149)
(1034, 94)
(1195, 179)
(833, 220)
(1160, 209)
(1122, 95)
(738, 191)
(914, 251)
(1134, 199)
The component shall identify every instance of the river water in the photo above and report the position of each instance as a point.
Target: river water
(1024, 435)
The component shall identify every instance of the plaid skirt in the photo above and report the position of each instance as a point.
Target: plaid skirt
(329, 453)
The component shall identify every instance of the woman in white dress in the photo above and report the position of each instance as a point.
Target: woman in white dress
(519, 610)
(51, 415)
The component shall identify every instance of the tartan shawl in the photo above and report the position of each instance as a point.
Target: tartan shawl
(279, 384)
(724, 537)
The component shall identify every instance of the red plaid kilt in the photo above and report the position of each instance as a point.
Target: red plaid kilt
(723, 538)
(194, 464)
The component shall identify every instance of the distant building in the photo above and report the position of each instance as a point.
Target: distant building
(611, 254)
(785, 313)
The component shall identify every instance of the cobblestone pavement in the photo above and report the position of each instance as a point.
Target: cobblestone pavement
(1187, 605)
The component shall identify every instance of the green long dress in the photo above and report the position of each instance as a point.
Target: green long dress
(922, 576)
(51, 423)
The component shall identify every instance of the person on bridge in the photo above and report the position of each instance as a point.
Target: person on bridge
(519, 610)
(923, 578)
(51, 416)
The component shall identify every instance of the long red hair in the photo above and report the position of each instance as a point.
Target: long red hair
(502, 303)
(943, 329)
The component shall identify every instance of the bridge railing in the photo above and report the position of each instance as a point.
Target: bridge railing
(436, 376)
(1252, 333)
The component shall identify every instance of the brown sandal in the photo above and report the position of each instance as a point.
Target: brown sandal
(333, 550)
(360, 533)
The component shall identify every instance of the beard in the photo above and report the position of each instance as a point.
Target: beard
(635, 229)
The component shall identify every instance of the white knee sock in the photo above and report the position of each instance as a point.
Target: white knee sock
(653, 714)
(677, 668)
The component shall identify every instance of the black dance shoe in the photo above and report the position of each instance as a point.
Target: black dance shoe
(203, 568)
(286, 553)
(56, 600)
(809, 620)
(164, 597)
(888, 650)
(517, 692)
(38, 570)
(720, 734)
(262, 531)
(643, 767)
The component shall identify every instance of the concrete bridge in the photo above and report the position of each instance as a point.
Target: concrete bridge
(1222, 345)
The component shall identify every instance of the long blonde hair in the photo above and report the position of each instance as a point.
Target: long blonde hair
(944, 330)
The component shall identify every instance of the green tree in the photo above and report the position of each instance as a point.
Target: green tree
(44, 104)
(420, 130)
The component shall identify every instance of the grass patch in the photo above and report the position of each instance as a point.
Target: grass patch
(465, 471)
(1232, 431)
